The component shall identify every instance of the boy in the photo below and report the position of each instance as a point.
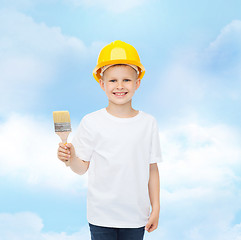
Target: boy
(120, 147)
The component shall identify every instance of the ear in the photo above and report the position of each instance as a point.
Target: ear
(102, 85)
(138, 83)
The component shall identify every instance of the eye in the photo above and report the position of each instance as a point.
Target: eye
(127, 80)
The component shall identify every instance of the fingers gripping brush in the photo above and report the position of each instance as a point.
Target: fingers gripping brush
(62, 126)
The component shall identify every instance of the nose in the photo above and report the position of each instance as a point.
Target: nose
(119, 84)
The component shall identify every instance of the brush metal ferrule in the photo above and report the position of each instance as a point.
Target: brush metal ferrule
(62, 127)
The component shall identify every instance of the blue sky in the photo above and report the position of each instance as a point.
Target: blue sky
(192, 54)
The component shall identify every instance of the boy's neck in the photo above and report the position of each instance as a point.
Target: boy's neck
(121, 111)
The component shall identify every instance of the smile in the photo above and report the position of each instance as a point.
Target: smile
(120, 94)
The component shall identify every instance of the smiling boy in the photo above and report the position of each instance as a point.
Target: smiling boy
(120, 83)
(120, 148)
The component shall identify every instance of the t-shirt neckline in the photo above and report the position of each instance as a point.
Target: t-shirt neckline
(118, 119)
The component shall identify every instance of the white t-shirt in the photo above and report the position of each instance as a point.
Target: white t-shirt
(120, 151)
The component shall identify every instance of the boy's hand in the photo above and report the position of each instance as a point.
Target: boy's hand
(152, 222)
(66, 152)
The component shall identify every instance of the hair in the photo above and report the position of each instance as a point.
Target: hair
(120, 64)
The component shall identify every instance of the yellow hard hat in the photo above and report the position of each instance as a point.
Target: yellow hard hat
(118, 52)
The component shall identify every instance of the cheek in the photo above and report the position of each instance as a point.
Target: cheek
(109, 87)
(133, 86)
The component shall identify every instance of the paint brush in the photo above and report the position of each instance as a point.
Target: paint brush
(62, 126)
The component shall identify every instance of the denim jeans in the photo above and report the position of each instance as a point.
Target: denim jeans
(110, 233)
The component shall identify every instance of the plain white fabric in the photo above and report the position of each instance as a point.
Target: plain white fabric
(120, 151)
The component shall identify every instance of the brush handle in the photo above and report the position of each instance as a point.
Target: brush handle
(64, 137)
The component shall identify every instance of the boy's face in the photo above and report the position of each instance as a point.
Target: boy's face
(120, 83)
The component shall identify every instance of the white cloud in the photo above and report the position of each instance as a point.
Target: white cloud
(200, 182)
(223, 55)
(199, 159)
(196, 151)
(29, 154)
(33, 55)
(114, 6)
(230, 34)
(203, 83)
(21, 37)
(25, 224)
(29, 226)
(233, 233)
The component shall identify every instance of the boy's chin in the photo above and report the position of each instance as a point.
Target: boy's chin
(119, 101)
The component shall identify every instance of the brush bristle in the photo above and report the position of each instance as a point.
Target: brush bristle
(61, 116)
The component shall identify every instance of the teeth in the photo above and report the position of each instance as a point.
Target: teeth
(120, 93)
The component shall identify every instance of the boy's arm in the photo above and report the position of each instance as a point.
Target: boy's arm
(67, 152)
(154, 194)
(79, 166)
(154, 187)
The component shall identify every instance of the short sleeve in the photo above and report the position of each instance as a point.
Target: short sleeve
(83, 141)
(155, 155)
